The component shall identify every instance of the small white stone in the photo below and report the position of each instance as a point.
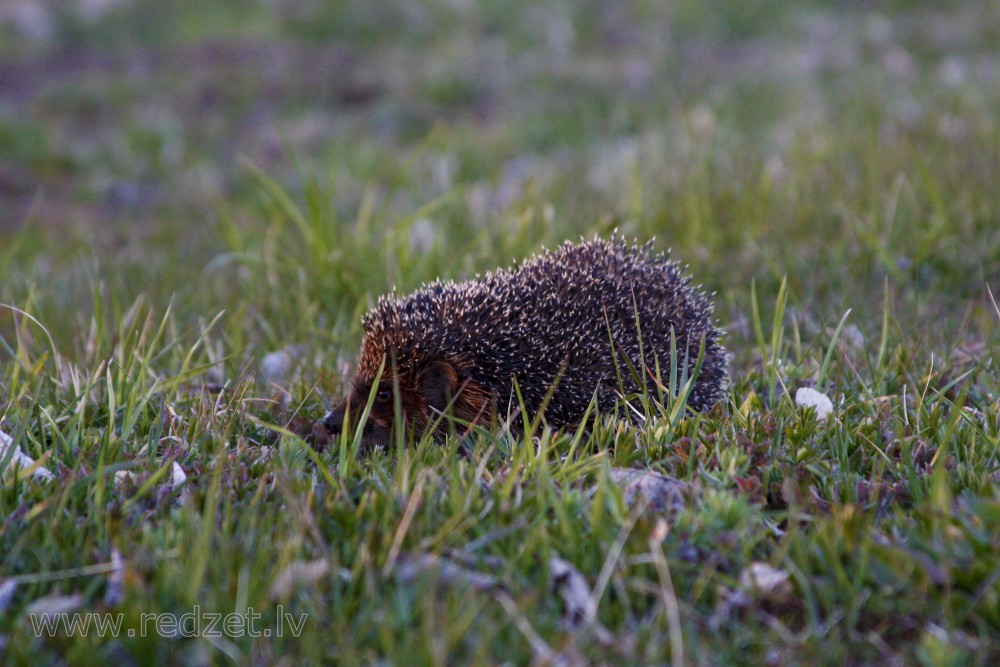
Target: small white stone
(766, 581)
(30, 19)
(177, 476)
(7, 588)
(422, 236)
(20, 459)
(852, 336)
(810, 398)
(122, 476)
(276, 366)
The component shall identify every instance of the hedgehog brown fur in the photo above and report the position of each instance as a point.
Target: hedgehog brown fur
(460, 346)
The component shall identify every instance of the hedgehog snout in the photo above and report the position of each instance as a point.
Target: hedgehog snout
(334, 420)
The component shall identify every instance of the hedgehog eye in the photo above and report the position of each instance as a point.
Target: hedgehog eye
(383, 396)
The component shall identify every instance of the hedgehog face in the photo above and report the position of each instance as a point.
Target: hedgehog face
(421, 394)
(346, 415)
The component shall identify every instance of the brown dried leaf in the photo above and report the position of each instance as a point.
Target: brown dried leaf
(298, 572)
(568, 583)
(410, 567)
(766, 583)
(51, 605)
(115, 591)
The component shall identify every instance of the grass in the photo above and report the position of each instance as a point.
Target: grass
(199, 200)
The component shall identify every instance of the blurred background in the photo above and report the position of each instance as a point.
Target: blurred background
(160, 147)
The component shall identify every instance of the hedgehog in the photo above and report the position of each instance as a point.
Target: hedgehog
(552, 334)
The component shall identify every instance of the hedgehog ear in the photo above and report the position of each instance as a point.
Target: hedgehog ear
(438, 384)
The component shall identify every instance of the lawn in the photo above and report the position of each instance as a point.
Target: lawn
(199, 201)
